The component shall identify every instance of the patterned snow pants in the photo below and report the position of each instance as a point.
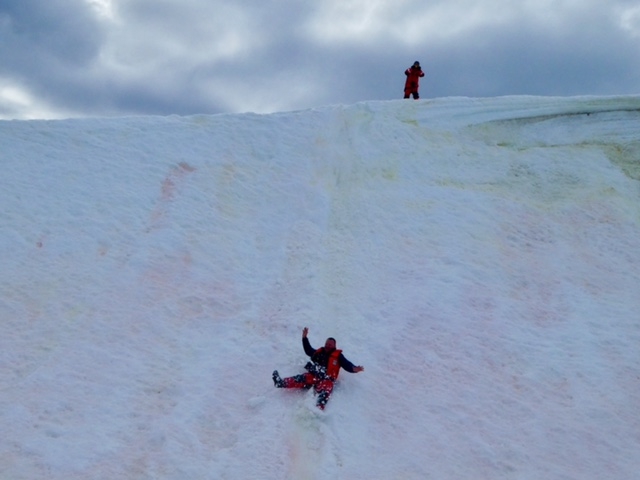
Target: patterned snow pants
(322, 387)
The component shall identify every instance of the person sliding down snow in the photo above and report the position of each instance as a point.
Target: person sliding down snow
(322, 371)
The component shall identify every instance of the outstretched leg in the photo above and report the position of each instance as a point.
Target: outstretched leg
(323, 389)
(304, 380)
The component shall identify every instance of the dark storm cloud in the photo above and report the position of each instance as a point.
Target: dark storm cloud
(46, 46)
(111, 57)
(529, 60)
(63, 32)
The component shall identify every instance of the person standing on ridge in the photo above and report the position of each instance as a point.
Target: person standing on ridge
(322, 371)
(412, 84)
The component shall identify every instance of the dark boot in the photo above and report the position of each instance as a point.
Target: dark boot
(323, 398)
(277, 381)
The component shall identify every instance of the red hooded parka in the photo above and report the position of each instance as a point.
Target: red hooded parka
(413, 80)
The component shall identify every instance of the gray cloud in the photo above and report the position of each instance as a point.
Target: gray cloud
(114, 57)
(42, 35)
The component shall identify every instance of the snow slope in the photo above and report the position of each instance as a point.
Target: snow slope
(480, 257)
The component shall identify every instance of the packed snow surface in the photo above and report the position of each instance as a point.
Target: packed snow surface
(479, 257)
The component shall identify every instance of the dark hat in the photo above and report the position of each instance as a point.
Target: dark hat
(416, 63)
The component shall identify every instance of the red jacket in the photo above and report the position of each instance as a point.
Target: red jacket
(331, 361)
(413, 79)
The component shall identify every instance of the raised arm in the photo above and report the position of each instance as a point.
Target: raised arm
(308, 349)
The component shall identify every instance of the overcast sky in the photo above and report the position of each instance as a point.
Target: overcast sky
(70, 58)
